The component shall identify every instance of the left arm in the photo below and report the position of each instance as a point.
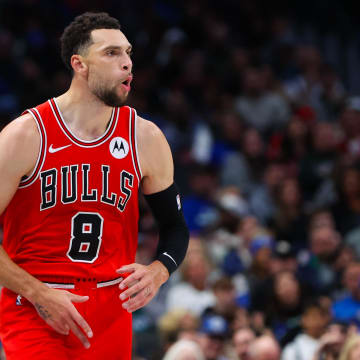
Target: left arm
(161, 194)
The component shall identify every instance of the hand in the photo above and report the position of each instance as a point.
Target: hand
(327, 344)
(142, 284)
(330, 339)
(57, 309)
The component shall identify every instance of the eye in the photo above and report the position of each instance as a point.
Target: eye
(110, 52)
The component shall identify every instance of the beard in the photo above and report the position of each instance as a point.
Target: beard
(109, 96)
(104, 92)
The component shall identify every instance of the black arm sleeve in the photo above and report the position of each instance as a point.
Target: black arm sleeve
(173, 232)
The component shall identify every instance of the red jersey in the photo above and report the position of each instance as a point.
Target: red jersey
(77, 215)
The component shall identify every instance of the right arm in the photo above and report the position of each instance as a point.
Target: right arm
(19, 148)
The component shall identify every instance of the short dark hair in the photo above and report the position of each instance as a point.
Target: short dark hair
(77, 36)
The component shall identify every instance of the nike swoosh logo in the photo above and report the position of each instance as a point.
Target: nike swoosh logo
(54, 150)
(166, 254)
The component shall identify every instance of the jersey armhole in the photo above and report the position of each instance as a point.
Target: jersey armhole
(27, 181)
(133, 143)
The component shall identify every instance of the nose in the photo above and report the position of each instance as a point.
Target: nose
(127, 65)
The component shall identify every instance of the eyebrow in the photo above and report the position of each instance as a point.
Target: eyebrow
(116, 47)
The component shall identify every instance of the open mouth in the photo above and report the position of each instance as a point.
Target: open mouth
(126, 83)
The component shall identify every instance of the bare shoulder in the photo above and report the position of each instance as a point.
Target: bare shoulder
(150, 138)
(22, 128)
(147, 131)
(20, 141)
(154, 155)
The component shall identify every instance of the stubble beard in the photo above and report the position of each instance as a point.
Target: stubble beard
(109, 96)
(105, 92)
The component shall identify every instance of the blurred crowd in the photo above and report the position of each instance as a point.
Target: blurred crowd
(265, 133)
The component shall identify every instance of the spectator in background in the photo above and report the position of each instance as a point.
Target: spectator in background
(214, 331)
(350, 125)
(177, 121)
(242, 340)
(301, 90)
(347, 309)
(229, 129)
(192, 293)
(346, 210)
(290, 221)
(351, 349)
(261, 109)
(262, 198)
(177, 324)
(284, 305)
(314, 321)
(328, 95)
(260, 270)
(331, 342)
(225, 294)
(224, 241)
(9, 78)
(245, 170)
(293, 143)
(317, 267)
(199, 206)
(317, 167)
(284, 258)
(184, 350)
(264, 348)
(321, 217)
(240, 320)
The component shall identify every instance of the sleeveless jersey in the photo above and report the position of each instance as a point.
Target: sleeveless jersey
(77, 214)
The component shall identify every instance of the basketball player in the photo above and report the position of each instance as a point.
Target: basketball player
(70, 170)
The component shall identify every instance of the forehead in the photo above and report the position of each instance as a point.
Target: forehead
(102, 38)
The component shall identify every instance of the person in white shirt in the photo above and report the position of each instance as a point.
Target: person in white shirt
(314, 321)
(192, 293)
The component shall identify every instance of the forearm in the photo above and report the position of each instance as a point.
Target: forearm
(173, 232)
(18, 280)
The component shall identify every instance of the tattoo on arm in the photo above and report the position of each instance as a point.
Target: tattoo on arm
(42, 311)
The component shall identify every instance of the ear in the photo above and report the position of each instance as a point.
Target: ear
(78, 64)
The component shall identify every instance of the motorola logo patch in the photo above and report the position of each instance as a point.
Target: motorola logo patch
(118, 147)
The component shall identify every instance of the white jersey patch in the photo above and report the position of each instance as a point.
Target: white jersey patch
(119, 147)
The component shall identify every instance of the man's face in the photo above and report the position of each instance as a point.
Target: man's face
(324, 241)
(212, 346)
(109, 66)
(352, 279)
(242, 340)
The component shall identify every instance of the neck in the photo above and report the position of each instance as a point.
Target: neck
(83, 112)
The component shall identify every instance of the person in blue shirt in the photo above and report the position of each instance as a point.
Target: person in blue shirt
(347, 309)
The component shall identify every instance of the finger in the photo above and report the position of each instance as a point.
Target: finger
(78, 298)
(127, 268)
(132, 279)
(81, 322)
(78, 333)
(138, 301)
(132, 290)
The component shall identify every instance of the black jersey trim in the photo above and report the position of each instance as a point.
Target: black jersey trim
(42, 153)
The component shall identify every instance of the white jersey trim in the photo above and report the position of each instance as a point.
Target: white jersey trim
(136, 147)
(42, 152)
(88, 143)
(132, 143)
